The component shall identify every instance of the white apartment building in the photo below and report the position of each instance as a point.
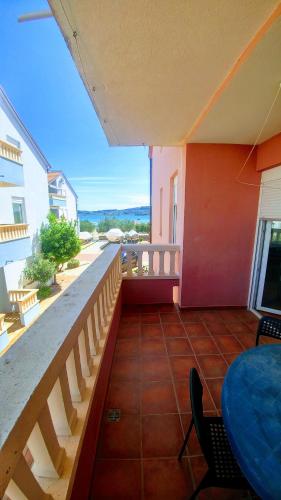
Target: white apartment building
(24, 199)
(62, 197)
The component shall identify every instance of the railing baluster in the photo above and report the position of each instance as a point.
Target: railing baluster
(161, 262)
(24, 486)
(140, 269)
(74, 375)
(44, 447)
(172, 262)
(150, 263)
(85, 356)
(89, 331)
(64, 416)
(129, 263)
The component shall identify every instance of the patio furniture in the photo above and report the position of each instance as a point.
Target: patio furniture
(251, 405)
(269, 327)
(223, 471)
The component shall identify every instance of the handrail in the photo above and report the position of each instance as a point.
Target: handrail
(162, 261)
(9, 232)
(52, 364)
(60, 193)
(10, 152)
(25, 298)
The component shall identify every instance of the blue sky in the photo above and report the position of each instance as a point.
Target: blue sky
(40, 78)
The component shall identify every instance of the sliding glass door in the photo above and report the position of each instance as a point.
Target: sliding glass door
(269, 285)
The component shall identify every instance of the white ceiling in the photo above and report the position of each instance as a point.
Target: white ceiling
(155, 64)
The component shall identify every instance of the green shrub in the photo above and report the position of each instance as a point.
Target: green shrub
(86, 225)
(40, 270)
(72, 263)
(44, 292)
(59, 240)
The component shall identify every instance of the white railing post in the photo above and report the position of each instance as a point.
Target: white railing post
(172, 262)
(140, 269)
(64, 416)
(156, 266)
(74, 375)
(24, 486)
(85, 357)
(44, 447)
(161, 263)
(150, 263)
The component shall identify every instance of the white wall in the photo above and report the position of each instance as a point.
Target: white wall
(70, 211)
(35, 189)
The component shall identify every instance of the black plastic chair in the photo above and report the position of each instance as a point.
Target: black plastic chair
(269, 327)
(223, 470)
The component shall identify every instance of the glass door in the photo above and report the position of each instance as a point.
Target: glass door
(269, 287)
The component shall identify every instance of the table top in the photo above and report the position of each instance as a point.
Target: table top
(251, 406)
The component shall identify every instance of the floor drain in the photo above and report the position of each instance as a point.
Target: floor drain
(113, 415)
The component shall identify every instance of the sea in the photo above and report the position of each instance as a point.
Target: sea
(137, 214)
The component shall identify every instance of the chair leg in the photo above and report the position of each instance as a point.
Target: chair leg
(203, 484)
(185, 440)
(257, 339)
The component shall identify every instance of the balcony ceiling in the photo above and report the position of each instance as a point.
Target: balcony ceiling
(166, 72)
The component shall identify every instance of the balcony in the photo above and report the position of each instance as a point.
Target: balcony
(11, 169)
(101, 385)
(15, 242)
(57, 199)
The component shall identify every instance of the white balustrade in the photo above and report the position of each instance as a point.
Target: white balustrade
(52, 365)
(150, 261)
(25, 298)
(9, 232)
(10, 152)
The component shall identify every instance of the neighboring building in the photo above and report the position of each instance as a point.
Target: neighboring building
(62, 197)
(24, 201)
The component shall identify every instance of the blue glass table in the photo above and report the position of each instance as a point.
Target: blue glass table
(251, 408)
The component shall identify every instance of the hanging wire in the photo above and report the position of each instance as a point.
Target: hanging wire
(268, 114)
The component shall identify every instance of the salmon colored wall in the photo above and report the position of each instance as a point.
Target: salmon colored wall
(269, 153)
(166, 161)
(219, 226)
(148, 291)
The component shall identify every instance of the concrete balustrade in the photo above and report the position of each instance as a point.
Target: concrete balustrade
(161, 261)
(10, 232)
(10, 152)
(55, 365)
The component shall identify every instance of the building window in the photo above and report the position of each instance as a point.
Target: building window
(18, 210)
(173, 208)
(161, 212)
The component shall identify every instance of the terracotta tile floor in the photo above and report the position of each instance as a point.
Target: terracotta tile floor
(156, 347)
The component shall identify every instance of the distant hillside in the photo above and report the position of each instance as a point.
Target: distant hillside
(136, 213)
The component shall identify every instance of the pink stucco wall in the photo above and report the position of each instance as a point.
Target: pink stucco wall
(148, 291)
(216, 218)
(219, 229)
(269, 153)
(166, 162)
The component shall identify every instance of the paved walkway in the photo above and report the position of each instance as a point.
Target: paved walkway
(86, 257)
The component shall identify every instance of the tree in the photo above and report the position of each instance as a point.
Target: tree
(59, 240)
(86, 225)
(41, 270)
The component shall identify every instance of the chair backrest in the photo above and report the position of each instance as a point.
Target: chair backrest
(196, 395)
(270, 327)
